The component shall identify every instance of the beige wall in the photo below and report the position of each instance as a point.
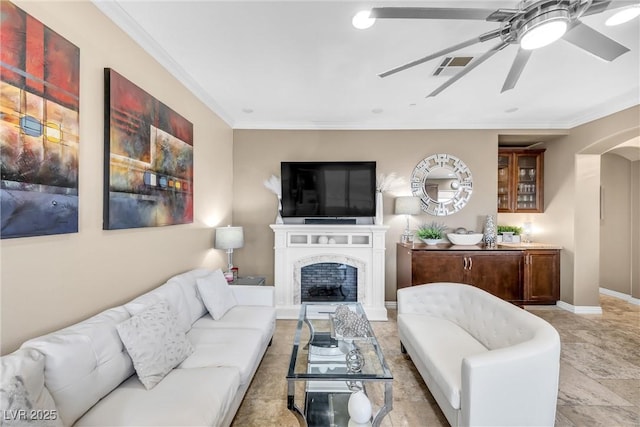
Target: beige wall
(635, 229)
(572, 186)
(615, 224)
(257, 155)
(50, 282)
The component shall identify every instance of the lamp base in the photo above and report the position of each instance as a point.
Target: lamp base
(407, 236)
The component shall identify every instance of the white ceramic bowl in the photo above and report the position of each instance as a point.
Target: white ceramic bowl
(465, 239)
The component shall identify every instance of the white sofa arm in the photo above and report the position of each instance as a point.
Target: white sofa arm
(520, 383)
(254, 295)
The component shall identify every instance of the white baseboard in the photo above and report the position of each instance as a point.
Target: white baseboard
(393, 305)
(620, 295)
(579, 309)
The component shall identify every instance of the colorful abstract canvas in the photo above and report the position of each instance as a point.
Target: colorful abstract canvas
(148, 159)
(39, 122)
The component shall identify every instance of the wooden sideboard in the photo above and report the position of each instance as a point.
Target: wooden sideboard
(519, 275)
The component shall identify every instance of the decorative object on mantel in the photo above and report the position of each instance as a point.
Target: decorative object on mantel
(384, 184)
(273, 184)
(431, 233)
(229, 238)
(490, 235)
(407, 206)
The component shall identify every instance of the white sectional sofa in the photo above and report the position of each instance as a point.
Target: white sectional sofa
(84, 375)
(486, 361)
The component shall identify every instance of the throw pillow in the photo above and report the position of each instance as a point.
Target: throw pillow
(216, 294)
(23, 397)
(155, 341)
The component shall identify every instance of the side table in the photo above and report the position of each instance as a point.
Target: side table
(250, 281)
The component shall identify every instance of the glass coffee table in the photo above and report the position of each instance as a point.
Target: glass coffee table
(329, 363)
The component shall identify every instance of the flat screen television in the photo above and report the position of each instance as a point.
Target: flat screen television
(328, 189)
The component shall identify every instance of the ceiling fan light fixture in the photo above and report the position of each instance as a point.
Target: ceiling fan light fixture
(544, 29)
(624, 15)
(363, 20)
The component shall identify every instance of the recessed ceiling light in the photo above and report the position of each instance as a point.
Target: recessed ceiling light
(511, 110)
(625, 15)
(247, 110)
(362, 20)
(377, 110)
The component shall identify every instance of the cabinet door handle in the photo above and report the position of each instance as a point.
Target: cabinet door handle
(470, 263)
(464, 259)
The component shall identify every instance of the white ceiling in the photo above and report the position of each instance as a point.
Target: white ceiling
(302, 65)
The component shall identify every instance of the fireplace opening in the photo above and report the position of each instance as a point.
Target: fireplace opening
(329, 281)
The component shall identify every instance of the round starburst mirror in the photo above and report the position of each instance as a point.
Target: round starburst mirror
(444, 184)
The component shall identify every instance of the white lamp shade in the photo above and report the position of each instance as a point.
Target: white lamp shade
(407, 205)
(229, 237)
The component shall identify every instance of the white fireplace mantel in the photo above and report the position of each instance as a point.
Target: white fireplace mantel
(362, 246)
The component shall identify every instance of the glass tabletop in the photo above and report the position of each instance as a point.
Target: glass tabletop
(323, 349)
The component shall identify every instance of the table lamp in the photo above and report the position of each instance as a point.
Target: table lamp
(229, 238)
(407, 205)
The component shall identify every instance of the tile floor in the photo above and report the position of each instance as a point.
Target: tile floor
(599, 373)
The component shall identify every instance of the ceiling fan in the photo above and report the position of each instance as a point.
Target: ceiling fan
(534, 24)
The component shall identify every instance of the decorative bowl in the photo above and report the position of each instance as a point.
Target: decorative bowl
(465, 239)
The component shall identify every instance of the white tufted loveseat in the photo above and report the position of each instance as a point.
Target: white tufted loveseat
(486, 361)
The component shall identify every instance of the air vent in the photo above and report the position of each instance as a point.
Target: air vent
(451, 65)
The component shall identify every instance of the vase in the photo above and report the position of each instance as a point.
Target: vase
(490, 235)
(431, 242)
(359, 408)
(279, 216)
(379, 211)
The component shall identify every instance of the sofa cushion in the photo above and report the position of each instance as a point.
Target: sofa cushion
(216, 294)
(155, 342)
(262, 318)
(185, 397)
(23, 397)
(187, 283)
(441, 345)
(240, 348)
(169, 292)
(84, 362)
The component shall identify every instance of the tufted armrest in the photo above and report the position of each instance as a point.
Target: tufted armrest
(522, 378)
(254, 295)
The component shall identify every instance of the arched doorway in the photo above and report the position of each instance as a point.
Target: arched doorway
(587, 212)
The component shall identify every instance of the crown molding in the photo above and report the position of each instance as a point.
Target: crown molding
(122, 19)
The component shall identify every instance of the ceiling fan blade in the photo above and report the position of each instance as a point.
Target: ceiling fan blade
(599, 6)
(429, 13)
(520, 61)
(594, 42)
(470, 67)
(484, 37)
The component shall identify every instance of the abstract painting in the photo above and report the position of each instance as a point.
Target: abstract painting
(148, 159)
(39, 122)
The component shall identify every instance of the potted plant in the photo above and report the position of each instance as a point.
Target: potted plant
(509, 233)
(431, 233)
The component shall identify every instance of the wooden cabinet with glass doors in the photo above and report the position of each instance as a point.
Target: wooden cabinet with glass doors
(520, 180)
